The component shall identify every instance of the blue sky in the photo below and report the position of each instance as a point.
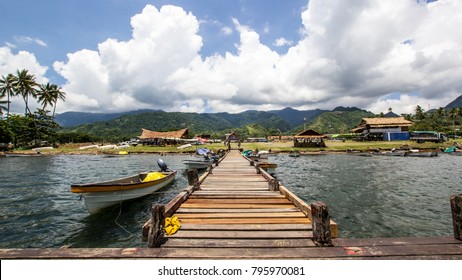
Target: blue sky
(213, 56)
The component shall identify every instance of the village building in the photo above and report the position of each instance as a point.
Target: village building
(379, 129)
(157, 138)
(309, 138)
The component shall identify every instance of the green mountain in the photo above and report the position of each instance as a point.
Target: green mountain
(456, 103)
(340, 120)
(297, 117)
(130, 125)
(77, 118)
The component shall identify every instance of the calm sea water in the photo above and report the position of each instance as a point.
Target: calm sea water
(366, 196)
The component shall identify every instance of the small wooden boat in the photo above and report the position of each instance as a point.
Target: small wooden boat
(201, 162)
(390, 153)
(101, 195)
(119, 154)
(294, 154)
(22, 155)
(417, 153)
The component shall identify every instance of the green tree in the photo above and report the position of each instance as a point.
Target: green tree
(419, 113)
(22, 130)
(24, 84)
(49, 94)
(6, 90)
(453, 114)
(5, 133)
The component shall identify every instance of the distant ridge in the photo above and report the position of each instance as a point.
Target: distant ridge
(69, 119)
(457, 103)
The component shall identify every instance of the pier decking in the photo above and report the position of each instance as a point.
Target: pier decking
(233, 212)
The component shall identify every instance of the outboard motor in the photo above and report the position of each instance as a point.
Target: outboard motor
(162, 165)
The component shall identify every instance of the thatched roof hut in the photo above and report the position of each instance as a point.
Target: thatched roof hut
(161, 137)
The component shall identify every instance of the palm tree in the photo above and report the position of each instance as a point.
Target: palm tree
(453, 114)
(6, 89)
(24, 84)
(49, 94)
(419, 113)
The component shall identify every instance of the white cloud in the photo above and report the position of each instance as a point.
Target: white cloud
(351, 53)
(226, 30)
(11, 62)
(30, 40)
(280, 42)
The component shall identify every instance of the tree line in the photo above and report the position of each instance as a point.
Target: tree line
(32, 128)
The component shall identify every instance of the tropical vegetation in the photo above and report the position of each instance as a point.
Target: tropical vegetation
(31, 128)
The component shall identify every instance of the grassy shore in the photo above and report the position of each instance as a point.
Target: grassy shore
(276, 147)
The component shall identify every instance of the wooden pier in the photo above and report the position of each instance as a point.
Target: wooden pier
(234, 207)
(238, 211)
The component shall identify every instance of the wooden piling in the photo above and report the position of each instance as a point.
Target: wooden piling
(456, 210)
(193, 178)
(321, 224)
(156, 231)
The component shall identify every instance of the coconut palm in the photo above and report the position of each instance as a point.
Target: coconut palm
(49, 94)
(6, 89)
(453, 114)
(24, 84)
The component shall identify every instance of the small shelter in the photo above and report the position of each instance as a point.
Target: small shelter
(309, 138)
(149, 137)
(391, 128)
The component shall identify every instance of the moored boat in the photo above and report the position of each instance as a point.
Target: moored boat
(294, 154)
(417, 153)
(101, 195)
(198, 162)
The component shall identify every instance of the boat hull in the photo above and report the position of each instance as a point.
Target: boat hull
(105, 194)
(197, 164)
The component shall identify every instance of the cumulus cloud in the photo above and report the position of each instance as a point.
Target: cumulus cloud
(11, 62)
(280, 42)
(350, 53)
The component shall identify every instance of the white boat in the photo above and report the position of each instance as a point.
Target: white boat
(101, 195)
(294, 154)
(198, 162)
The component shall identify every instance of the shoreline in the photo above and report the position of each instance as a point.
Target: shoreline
(332, 147)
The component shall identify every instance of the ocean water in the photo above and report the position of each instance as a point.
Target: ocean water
(366, 196)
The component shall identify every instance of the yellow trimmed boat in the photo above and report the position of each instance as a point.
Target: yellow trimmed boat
(101, 195)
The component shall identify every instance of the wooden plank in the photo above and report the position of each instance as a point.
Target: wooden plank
(413, 252)
(247, 221)
(240, 215)
(240, 193)
(236, 205)
(234, 189)
(217, 234)
(238, 243)
(395, 241)
(228, 210)
(248, 227)
(237, 196)
(237, 200)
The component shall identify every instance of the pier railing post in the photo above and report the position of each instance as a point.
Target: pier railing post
(321, 224)
(193, 178)
(456, 210)
(273, 185)
(156, 230)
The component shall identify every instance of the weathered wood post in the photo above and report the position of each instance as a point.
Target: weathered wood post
(321, 224)
(273, 185)
(456, 210)
(156, 230)
(193, 178)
